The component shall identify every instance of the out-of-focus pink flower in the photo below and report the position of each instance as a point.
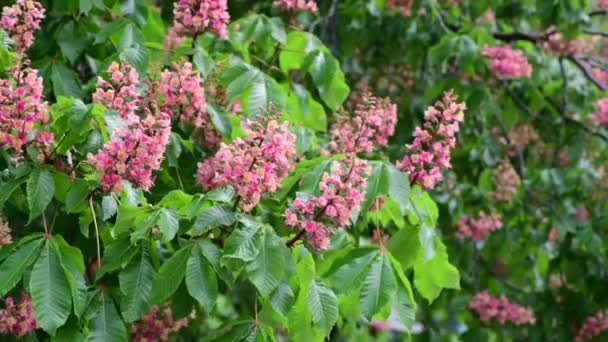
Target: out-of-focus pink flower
(506, 180)
(372, 124)
(506, 63)
(593, 326)
(553, 238)
(402, 6)
(157, 327)
(477, 229)
(5, 234)
(603, 4)
(296, 5)
(136, 148)
(21, 21)
(17, 319)
(500, 309)
(254, 165)
(23, 112)
(193, 17)
(429, 153)
(342, 190)
(600, 116)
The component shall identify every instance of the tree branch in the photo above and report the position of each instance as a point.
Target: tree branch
(587, 73)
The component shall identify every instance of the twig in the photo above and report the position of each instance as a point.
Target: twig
(586, 72)
(596, 33)
(598, 12)
(499, 277)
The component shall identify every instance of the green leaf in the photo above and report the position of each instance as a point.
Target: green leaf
(40, 192)
(213, 217)
(109, 29)
(203, 61)
(432, 276)
(398, 186)
(265, 91)
(379, 286)
(13, 267)
(73, 264)
(72, 40)
(238, 79)
(282, 299)
(220, 120)
(304, 109)
(65, 82)
(168, 224)
(135, 285)
(291, 57)
(107, 324)
(109, 207)
(137, 56)
(170, 275)
(243, 244)
(323, 306)
(201, 280)
(50, 290)
(350, 276)
(327, 77)
(404, 246)
(268, 267)
(377, 185)
(76, 196)
(404, 305)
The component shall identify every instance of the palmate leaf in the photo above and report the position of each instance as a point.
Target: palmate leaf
(170, 275)
(323, 306)
(201, 279)
(40, 191)
(73, 264)
(379, 286)
(50, 290)
(13, 267)
(430, 277)
(356, 265)
(135, 285)
(268, 267)
(107, 325)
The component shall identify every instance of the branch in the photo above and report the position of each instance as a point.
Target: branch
(587, 73)
(499, 277)
(598, 12)
(514, 36)
(596, 33)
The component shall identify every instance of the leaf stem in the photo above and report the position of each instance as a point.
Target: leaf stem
(96, 231)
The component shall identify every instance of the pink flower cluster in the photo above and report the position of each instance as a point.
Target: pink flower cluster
(342, 190)
(193, 17)
(603, 4)
(5, 234)
(23, 111)
(296, 5)
(600, 116)
(430, 150)
(403, 6)
(372, 123)
(477, 229)
(17, 319)
(500, 309)
(254, 165)
(136, 148)
(21, 20)
(154, 327)
(506, 63)
(593, 326)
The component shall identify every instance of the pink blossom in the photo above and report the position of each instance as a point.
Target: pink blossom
(23, 112)
(172, 40)
(154, 327)
(5, 234)
(553, 238)
(136, 148)
(254, 165)
(429, 153)
(193, 17)
(593, 326)
(341, 191)
(372, 124)
(184, 95)
(477, 229)
(600, 116)
(603, 4)
(296, 5)
(500, 309)
(506, 63)
(17, 319)
(402, 6)
(21, 20)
